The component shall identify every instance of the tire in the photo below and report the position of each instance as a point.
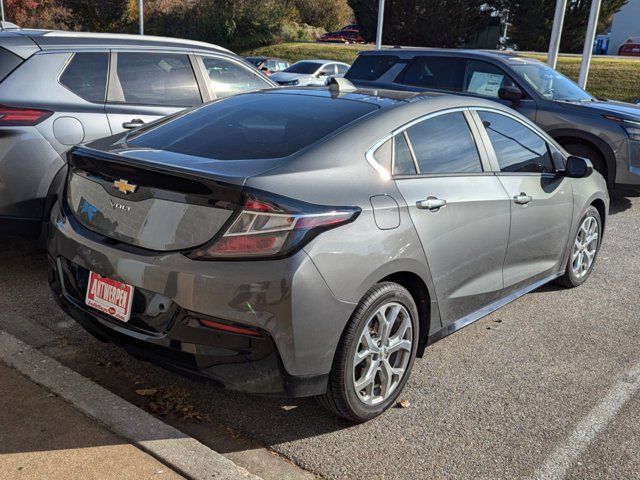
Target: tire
(572, 277)
(342, 397)
(585, 151)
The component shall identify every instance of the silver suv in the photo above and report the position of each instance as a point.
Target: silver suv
(59, 89)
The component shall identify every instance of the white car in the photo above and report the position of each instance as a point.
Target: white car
(310, 73)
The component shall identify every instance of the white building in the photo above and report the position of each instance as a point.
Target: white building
(626, 23)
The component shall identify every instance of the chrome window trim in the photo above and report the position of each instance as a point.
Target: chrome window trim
(483, 154)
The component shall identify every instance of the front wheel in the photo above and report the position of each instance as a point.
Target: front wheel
(375, 356)
(584, 249)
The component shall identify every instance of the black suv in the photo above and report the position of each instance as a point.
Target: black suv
(605, 131)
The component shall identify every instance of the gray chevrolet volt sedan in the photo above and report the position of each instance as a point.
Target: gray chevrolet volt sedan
(58, 89)
(313, 242)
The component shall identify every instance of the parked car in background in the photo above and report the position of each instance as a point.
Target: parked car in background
(605, 131)
(310, 73)
(58, 89)
(631, 47)
(231, 241)
(345, 35)
(268, 65)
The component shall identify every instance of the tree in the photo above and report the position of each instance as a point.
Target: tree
(431, 23)
(37, 13)
(328, 14)
(532, 21)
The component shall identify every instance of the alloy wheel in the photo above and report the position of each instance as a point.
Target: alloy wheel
(383, 353)
(585, 247)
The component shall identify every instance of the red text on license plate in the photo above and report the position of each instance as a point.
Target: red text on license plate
(109, 296)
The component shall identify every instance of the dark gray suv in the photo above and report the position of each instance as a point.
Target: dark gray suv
(605, 131)
(59, 89)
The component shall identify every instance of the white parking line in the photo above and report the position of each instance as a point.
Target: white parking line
(563, 457)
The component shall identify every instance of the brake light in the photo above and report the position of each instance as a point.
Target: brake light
(263, 229)
(16, 117)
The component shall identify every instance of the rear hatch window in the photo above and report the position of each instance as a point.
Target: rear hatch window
(8, 62)
(253, 126)
(371, 67)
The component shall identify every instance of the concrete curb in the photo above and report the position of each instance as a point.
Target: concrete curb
(178, 451)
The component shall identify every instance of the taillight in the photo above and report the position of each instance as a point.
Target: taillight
(265, 229)
(19, 117)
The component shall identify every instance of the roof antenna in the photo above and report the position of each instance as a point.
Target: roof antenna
(341, 85)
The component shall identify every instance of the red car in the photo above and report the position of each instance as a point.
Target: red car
(630, 48)
(349, 34)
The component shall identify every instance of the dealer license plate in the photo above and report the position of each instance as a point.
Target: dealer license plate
(109, 296)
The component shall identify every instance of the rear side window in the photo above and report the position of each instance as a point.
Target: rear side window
(444, 144)
(371, 67)
(229, 78)
(86, 75)
(403, 160)
(253, 126)
(165, 79)
(8, 63)
(518, 149)
(441, 73)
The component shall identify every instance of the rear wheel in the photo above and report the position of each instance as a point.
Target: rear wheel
(584, 249)
(375, 356)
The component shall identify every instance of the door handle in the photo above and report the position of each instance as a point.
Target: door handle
(431, 203)
(133, 123)
(522, 199)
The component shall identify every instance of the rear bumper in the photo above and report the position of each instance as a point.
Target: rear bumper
(286, 300)
(227, 360)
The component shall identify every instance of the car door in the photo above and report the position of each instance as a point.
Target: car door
(145, 86)
(541, 199)
(459, 209)
(226, 77)
(485, 79)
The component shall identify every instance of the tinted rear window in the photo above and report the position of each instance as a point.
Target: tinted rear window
(8, 62)
(86, 75)
(442, 73)
(371, 67)
(253, 126)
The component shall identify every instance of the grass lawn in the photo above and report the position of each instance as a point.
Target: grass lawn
(613, 77)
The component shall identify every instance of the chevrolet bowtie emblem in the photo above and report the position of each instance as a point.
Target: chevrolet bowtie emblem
(124, 186)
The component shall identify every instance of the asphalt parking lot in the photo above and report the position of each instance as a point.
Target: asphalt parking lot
(547, 387)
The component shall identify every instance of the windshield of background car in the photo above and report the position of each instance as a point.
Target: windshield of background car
(550, 84)
(371, 67)
(303, 67)
(253, 126)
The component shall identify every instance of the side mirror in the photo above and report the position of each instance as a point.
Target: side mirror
(578, 167)
(322, 74)
(510, 93)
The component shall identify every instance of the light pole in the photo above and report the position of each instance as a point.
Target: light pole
(556, 33)
(2, 8)
(588, 42)
(380, 22)
(141, 16)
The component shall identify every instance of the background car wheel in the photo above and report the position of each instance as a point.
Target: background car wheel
(375, 355)
(584, 249)
(585, 151)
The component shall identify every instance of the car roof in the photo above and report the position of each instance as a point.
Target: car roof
(386, 98)
(410, 52)
(56, 39)
(320, 61)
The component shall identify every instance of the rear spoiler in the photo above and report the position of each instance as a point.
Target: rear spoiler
(17, 42)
